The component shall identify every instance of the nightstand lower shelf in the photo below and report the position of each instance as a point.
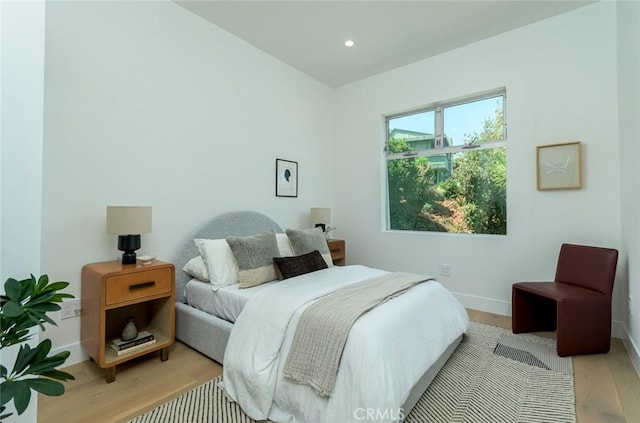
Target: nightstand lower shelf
(162, 342)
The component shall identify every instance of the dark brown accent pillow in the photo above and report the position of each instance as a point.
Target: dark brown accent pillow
(299, 265)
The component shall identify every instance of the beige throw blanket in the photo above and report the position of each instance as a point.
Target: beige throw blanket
(323, 328)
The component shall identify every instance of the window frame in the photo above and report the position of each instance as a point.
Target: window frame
(439, 149)
(439, 127)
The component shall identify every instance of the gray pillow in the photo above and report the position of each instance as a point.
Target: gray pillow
(304, 241)
(254, 256)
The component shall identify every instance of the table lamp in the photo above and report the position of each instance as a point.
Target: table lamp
(128, 223)
(321, 217)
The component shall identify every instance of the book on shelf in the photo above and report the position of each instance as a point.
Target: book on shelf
(132, 349)
(143, 336)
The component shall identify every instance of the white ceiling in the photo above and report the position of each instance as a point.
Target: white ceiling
(310, 35)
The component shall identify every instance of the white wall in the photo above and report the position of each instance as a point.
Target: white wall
(21, 104)
(560, 76)
(629, 110)
(148, 104)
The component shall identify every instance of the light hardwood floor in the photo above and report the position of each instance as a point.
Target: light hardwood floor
(606, 385)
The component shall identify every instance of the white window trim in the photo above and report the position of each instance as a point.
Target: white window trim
(439, 127)
(445, 150)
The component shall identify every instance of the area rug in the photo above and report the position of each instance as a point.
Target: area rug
(537, 352)
(493, 377)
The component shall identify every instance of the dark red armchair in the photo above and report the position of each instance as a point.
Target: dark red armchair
(577, 304)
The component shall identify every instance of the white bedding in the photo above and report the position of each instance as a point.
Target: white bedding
(226, 302)
(387, 351)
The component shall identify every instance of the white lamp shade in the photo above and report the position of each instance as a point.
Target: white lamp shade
(320, 215)
(127, 220)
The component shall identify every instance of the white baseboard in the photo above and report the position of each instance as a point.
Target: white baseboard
(618, 330)
(77, 353)
(503, 308)
(488, 305)
(632, 349)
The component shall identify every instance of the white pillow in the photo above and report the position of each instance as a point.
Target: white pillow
(220, 262)
(196, 268)
(284, 246)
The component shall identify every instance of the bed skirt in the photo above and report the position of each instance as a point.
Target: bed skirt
(201, 331)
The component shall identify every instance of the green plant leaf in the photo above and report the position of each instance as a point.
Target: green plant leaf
(7, 391)
(63, 355)
(46, 386)
(44, 307)
(40, 298)
(13, 288)
(13, 339)
(48, 320)
(58, 375)
(42, 282)
(28, 287)
(22, 396)
(56, 286)
(36, 318)
(43, 349)
(22, 333)
(12, 309)
(4, 416)
(25, 292)
(24, 359)
(58, 297)
(41, 363)
(46, 365)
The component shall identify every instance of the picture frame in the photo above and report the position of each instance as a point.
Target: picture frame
(286, 178)
(559, 166)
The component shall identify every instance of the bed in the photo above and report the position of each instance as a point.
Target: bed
(283, 400)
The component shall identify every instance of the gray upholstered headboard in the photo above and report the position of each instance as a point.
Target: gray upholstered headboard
(239, 223)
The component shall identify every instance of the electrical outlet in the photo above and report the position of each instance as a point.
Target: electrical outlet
(70, 309)
(445, 270)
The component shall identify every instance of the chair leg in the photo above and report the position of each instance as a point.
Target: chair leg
(531, 313)
(584, 327)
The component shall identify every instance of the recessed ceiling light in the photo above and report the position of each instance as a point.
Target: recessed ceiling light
(349, 43)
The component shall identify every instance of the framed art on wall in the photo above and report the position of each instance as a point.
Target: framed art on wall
(286, 178)
(559, 166)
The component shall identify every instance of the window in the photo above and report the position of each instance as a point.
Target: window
(446, 167)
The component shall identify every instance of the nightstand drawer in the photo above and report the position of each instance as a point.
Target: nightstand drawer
(133, 286)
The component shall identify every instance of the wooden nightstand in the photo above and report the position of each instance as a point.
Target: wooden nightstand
(111, 292)
(337, 249)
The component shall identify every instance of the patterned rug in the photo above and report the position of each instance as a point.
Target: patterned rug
(539, 352)
(492, 377)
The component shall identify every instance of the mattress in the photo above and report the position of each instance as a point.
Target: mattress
(226, 302)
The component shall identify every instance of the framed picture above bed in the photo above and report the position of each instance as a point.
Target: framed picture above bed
(286, 178)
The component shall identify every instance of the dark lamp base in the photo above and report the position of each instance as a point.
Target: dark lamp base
(128, 244)
(129, 257)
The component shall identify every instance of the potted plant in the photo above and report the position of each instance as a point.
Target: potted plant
(24, 305)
